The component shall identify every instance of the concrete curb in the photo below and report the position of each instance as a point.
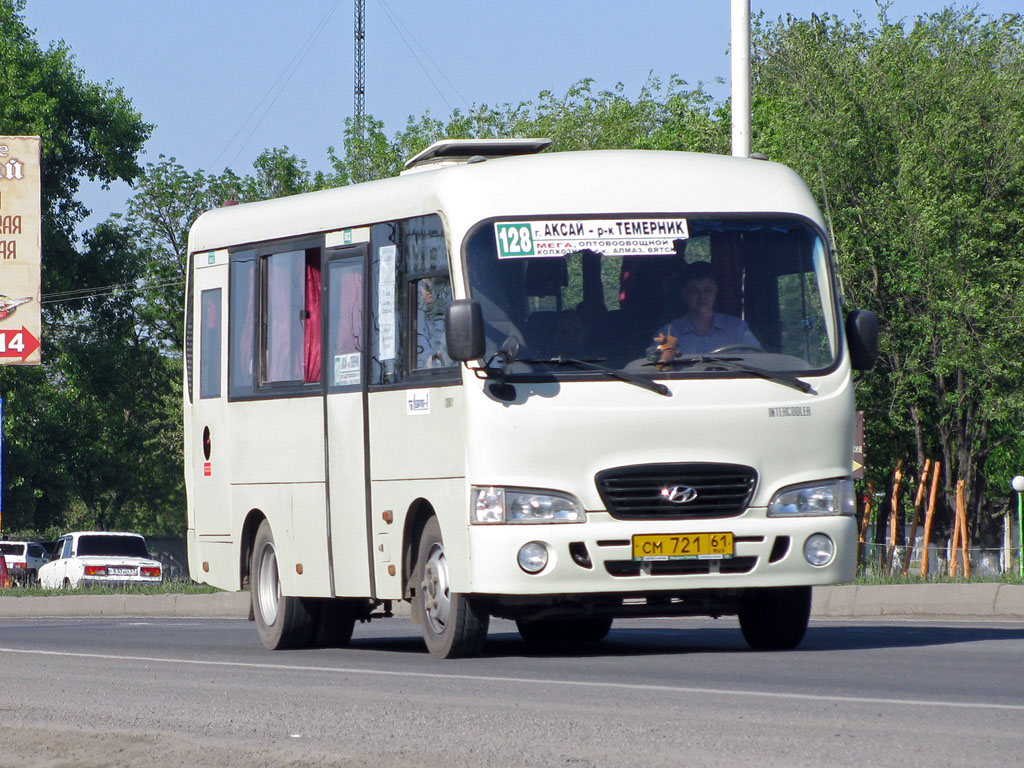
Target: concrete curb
(219, 604)
(1003, 601)
(940, 601)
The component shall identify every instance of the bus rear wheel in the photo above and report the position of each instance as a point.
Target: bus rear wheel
(453, 624)
(775, 619)
(282, 622)
(335, 620)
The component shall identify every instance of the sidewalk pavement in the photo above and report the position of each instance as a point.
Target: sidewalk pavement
(933, 601)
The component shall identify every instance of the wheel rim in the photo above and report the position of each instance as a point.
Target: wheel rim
(268, 586)
(437, 596)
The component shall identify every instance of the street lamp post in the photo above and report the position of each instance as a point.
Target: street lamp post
(1018, 486)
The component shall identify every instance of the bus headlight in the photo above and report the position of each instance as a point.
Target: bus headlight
(833, 497)
(524, 505)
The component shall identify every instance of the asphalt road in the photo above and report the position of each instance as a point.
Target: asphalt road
(182, 692)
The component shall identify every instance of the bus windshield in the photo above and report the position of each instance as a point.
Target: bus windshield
(661, 294)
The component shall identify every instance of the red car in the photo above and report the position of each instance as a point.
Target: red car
(5, 578)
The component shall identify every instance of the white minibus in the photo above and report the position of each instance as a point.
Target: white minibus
(559, 388)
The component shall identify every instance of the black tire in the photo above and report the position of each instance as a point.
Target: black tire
(335, 620)
(775, 619)
(453, 624)
(282, 622)
(564, 631)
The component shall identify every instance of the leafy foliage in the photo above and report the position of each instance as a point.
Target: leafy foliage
(913, 138)
(663, 116)
(89, 131)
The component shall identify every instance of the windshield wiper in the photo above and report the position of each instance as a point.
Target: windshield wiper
(592, 365)
(734, 364)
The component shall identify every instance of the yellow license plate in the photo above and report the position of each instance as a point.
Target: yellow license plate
(682, 546)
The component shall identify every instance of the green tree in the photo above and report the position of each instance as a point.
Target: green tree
(663, 116)
(911, 132)
(88, 131)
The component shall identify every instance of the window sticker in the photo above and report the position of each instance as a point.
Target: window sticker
(211, 258)
(386, 301)
(417, 402)
(342, 237)
(612, 237)
(346, 369)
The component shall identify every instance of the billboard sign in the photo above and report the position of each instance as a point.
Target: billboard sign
(20, 250)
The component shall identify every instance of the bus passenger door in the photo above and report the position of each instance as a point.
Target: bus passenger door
(345, 405)
(208, 436)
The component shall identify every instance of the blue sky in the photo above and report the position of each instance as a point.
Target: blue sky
(224, 79)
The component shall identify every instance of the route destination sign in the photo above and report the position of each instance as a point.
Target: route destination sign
(611, 237)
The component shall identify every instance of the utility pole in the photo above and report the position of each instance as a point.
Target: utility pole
(740, 56)
(360, 66)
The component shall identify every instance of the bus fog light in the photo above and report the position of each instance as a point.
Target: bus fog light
(819, 549)
(533, 557)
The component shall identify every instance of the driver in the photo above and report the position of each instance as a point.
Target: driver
(701, 329)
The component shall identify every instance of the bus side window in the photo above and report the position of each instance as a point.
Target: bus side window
(209, 343)
(433, 295)
(411, 287)
(345, 322)
(283, 319)
(242, 324)
(291, 336)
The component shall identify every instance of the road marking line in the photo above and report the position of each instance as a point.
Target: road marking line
(530, 681)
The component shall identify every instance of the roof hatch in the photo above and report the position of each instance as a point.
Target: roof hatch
(459, 151)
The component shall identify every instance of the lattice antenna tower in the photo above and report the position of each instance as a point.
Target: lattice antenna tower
(360, 66)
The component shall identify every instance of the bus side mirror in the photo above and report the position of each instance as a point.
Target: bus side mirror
(862, 338)
(464, 330)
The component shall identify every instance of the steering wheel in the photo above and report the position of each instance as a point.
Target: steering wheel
(737, 348)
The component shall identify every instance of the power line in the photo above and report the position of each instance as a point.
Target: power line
(395, 19)
(81, 294)
(282, 80)
(406, 36)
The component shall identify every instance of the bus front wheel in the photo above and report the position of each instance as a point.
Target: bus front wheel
(282, 622)
(775, 619)
(453, 624)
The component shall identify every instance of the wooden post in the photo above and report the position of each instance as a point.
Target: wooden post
(958, 532)
(864, 524)
(928, 515)
(918, 500)
(961, 507)
(954, 546)
(894, 506)
(1007, 543)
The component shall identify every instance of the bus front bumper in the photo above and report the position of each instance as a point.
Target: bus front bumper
(597, 557)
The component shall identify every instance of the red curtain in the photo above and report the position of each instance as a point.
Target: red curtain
(312, 338)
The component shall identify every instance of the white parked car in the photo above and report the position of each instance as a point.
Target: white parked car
(24, 558)
(89, 557)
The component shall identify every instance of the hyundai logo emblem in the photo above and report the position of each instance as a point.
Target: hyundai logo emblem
(679, 494)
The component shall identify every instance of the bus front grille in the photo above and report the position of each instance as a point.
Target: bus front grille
(626, 568)
(676, 491)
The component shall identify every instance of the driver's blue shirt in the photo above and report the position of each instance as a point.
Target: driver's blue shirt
(725, 330)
